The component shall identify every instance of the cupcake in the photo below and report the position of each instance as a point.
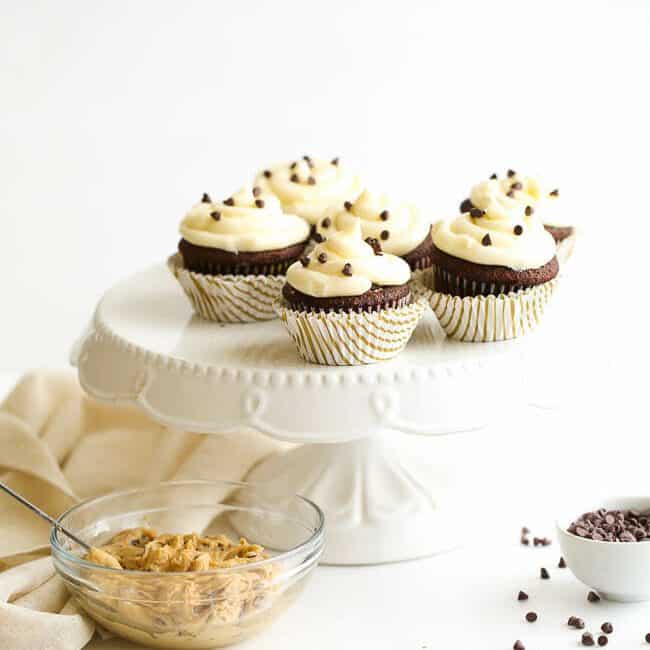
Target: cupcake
(234, 253)
(494, 267)
(528, 191)
(348, 302)
(401, 229)
(309, 187)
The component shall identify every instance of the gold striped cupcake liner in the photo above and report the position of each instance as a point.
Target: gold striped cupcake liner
(351, 338)
(485, 319)
(229, 298)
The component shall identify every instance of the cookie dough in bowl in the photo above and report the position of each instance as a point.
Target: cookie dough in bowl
(182, 589)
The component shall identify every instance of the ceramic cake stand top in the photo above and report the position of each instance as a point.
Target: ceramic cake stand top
(145, 347)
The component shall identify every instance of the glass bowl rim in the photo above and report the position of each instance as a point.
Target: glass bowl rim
(315, 540)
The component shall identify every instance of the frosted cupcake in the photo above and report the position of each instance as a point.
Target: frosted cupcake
(309, 187)
(233, 255)
(494, 267)
(348, 302)
(401, 229)
(528, 191)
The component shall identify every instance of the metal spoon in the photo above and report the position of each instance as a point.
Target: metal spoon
(42, 514)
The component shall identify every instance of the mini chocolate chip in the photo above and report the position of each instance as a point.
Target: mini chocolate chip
(511, 173)
(322, 258)
(216, 215)
(384, 234)
(562, 563)
(587, 639)
(518, 230)
(305, 260)
(522, 595)
(555, 193)
(525, 530)
(318, 238)
(593, 597)
(531, 617)
(466, 206)
(571, 622)
(517, 186)
(294, 178)
(647, 637)
(326, 222)
(524, 541)
(543, 574)
(206, 198)
(529, 210)
(334, 161)
(545, 541)
(347, 269)
(518, 645)
(602, 640)
(486, 241)
(577, 623)
(293, 165)
(307, 159)
(311, 180)
(347, 205)
(229, 201)
(607, 628)
(257, 191)
(477, 213)
(384, 214)
(510, 193)
(259, 203)
(374, 243)
(493, 177)
(267, 173)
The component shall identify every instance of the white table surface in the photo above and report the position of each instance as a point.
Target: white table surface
(467, 599)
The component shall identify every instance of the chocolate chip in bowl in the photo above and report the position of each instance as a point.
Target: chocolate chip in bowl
(606, 549)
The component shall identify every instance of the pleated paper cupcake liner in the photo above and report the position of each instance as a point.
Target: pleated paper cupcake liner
(485, 319)
(229, 298)
(351, 338)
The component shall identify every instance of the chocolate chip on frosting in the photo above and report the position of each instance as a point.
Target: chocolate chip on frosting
(486, 241)
(229, 201)
(529, 210)
(257, 191)
(334, 161)
(493, 177)
(593, 597)
(511, 173)
(375, 245)
(517, 186)
(259, 203)
(305, 260)
(554, 193)
(543, 574)
(293, 165)
(294, 178)
(518, 230)
(309, 161)
(510, 193)
(206, 198)
(522, 595)
(476, 213)
(384, 234)
(322, 258)
(531, 617)
(347, 269)
(326, 222)
(216, 215)
(347, 205)
(311, 180)
(318, 238)
(267, 173)
(562, 563)
(384, 214)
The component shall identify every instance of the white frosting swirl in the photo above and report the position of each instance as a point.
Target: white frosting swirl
(309, 187)
(324, 276)
(404, 224)
(251, 221)
(492, 238)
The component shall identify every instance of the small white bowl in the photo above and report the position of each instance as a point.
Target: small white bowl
(618, 571)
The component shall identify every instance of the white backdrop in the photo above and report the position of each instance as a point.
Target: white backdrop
(115, 116)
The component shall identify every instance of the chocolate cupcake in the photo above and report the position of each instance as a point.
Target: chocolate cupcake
(528, 192)
(348, 302)
(234, 253)
(494, 267)
(400, 229)
(310, 187)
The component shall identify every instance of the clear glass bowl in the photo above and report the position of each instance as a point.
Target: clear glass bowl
(205, 609)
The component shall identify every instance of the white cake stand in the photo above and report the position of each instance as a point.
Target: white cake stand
(382, 502)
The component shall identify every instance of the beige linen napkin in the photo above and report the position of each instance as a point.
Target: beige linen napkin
(58, 446)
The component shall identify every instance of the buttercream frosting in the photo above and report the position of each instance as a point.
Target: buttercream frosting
(251, 220)
(399, 227)
(343, 264)
(501, 230)
(309, 187)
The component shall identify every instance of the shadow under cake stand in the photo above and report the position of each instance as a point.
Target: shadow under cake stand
(383, 501)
